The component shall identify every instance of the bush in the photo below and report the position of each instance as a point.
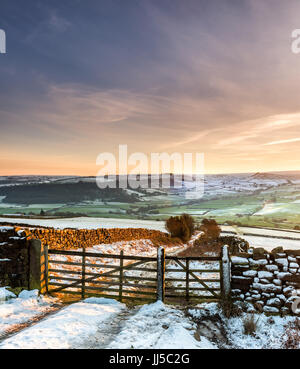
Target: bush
(250, 325)
(291, 337)
(210, 228)
(181, 226)
(229, 308)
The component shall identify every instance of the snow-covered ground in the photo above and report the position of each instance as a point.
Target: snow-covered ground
(19, 310)
(89, 223)
(105, 323)
(69, 328)
(262, 231)
(157, 326)
(270, 331)
(271, 243)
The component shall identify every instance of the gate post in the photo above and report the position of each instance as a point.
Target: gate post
(225, 274)
(161, 274)
(38, 266)
(83, 274)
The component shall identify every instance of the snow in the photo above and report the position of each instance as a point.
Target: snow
(270, 331)
(89, 223)
(239, 260)
(262, 231)
(5, 294)
(15, 311)
(68, 328)
(158, 326)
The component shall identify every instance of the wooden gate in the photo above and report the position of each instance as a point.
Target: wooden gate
(192, 278)
(102, 275)
(142, 278)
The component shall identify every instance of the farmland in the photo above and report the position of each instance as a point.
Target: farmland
(262, 199)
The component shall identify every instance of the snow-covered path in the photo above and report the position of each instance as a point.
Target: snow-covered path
(72, 327)
(104, 323)
(158, 326)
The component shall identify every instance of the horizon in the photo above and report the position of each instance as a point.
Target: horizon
(187, 174)
(80, 78)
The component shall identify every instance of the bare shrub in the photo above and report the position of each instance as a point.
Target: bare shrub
(230, 309)
(291, 337)
(250, 324)
(210, 228)
(181, 226)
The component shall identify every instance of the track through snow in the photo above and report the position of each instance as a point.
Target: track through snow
(108, 331)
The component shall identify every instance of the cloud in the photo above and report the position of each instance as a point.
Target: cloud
(283, 141)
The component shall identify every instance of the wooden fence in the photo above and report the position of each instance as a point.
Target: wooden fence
(131, 277)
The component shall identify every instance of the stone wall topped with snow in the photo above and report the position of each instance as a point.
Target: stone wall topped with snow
(270, 281)
(14, 258)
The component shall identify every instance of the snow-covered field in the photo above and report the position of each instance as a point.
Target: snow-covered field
(271, 243)
(89, 223)
(262, 231)
(92, 223)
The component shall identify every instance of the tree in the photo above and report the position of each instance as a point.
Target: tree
(42, 213)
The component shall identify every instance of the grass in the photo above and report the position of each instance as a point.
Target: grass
(250, 324)
(237, 208)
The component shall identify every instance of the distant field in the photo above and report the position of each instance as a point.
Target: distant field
(265, 200)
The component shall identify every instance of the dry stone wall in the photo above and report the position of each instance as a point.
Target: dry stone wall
(14, 245)
(77, 238)
(14, 258)
(270, 281)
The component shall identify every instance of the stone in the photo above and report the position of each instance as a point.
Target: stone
(256, 296)
(265, 275)
(282, 298)
(282, 261)
(274, 302)
(294, 265)
(258, 262)
(251, 309)
(250, 273)
(264, 281)
(282, 255)
(259, 305)
(259, 251)
(282, 275)
(271, 310)
(277, 250)
(239, 260)
(278, 282)
(288, 290)
(266, 295)
(285, 311)
(271, 268)
(267, 287)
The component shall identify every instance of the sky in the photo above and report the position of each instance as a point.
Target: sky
(81, 77)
